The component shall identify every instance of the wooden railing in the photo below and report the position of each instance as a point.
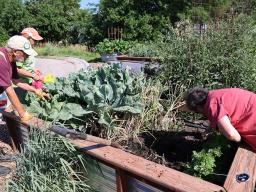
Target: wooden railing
(164, 178)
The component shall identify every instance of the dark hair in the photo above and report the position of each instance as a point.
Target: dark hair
(196, 97)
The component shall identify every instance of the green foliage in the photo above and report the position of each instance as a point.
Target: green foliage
(204, 162)
(13, 16)
(49, 50)
(113, 46)
(3, 35)
(143, 50)
(221, 58)
(91, 98)
(207, 11)
(53, 18)
(49, 164)
(141, 20)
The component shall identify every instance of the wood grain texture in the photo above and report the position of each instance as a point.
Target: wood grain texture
(244, 162)
(163, 176)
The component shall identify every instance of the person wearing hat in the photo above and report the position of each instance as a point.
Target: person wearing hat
(18, 49)
(26, 69)
(231, 111)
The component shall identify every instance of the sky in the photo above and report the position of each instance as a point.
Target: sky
(84, 3)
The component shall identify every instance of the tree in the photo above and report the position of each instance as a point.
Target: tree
(59, 20)
(141, 20)
(13, 16)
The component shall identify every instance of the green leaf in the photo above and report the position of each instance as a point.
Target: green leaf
(65, 115)
(105, 119)
(133, 110)
(77, 110)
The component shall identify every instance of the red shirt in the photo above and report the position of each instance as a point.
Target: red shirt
(8, 71)
(239, 105)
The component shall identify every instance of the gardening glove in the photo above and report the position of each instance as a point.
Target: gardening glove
(41, 94)
(26, 117)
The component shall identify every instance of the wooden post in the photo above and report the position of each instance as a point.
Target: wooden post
(244, 162)
(121, 181)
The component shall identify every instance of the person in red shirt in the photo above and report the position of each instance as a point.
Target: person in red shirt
(18, 48)
(231, 111)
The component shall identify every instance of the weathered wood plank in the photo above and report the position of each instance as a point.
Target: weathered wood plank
(163, 176)
(244, 162)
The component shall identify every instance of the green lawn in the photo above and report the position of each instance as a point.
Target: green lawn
(78, 51)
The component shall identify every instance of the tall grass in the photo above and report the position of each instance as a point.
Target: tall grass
(78, 51)
(158, 114)
(49, 164)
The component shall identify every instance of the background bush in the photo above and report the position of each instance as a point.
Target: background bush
(222, 57)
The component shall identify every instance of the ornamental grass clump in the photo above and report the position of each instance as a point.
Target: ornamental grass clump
(49, 164)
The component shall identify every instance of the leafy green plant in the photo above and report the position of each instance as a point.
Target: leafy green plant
(143, 50)
(205, 161)
(49, 164)
(113, 46)
(91, 98)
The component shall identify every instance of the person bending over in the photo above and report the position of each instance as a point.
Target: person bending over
(231, 111)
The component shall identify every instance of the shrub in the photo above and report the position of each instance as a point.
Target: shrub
(113, 46)
(223, 57)
(143, 50)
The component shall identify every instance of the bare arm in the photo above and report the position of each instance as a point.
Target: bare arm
(24, 86)
(26, 73)
(228, 130)
(15, 101)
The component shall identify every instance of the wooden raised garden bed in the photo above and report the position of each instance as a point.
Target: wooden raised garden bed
(122, 171)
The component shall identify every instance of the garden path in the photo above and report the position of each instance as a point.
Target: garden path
(60, 67)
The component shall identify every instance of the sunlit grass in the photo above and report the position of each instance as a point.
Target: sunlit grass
(78, 51)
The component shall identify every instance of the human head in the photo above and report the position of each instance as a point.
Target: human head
(196, 99)
(32, 35)
(20, 48)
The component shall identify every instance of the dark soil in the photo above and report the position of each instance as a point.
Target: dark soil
(172, 148)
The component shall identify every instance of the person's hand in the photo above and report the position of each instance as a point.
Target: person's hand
(41, 78)
(36, 77)
(26, 117)
(41, 94)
